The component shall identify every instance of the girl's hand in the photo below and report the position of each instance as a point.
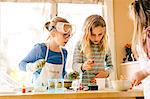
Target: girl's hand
(32, 67)
(138, 77)
(93, 80)
(39, 63)
(101, 74)
(88, 64)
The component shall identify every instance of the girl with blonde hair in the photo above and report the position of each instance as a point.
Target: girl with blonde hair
(49, 53)
(140, 11)
(92, 55)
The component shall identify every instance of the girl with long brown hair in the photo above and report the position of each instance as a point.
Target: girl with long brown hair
(92, 55)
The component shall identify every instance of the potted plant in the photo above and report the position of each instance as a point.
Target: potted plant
(128, 53)
(72, 80)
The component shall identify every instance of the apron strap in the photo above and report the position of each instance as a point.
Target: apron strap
(46, 56)
(62, 53)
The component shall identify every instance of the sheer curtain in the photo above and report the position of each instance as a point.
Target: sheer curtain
(21, 27)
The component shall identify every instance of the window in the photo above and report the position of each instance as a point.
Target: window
(76, 14)
(21, 27)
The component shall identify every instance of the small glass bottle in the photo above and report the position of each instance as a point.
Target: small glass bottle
(23, 89)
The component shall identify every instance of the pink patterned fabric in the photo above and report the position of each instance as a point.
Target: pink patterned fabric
(148, 41)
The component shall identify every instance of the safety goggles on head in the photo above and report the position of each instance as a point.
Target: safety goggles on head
(61, 27)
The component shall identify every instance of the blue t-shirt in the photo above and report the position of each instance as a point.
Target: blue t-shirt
(39, 52)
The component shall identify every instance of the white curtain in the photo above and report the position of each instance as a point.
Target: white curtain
(21, 27)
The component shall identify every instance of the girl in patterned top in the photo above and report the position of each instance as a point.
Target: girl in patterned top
(92, 55)
(140, 11)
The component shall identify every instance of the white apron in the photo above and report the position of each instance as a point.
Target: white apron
(50, 71)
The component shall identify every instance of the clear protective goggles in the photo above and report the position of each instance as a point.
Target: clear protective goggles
(61, 27)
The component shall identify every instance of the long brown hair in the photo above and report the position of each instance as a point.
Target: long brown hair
(90, 23)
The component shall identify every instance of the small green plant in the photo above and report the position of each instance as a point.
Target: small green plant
(73, 75)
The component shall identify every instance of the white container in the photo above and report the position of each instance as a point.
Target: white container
(101, 83)
(121, 85)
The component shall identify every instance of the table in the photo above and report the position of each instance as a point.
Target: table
(106, 94)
